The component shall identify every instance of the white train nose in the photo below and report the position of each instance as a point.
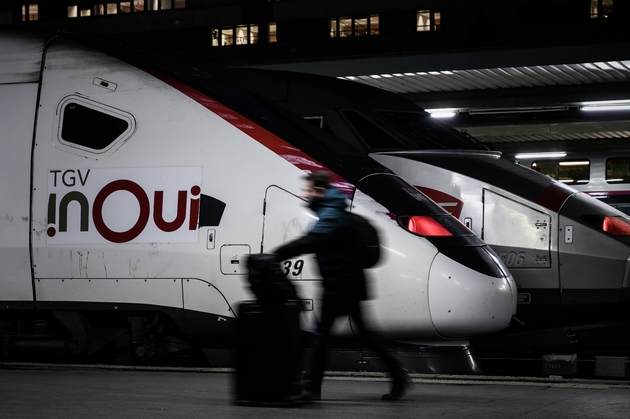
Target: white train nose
(465, 302)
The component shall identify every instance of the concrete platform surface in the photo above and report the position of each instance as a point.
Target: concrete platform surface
(37, 392)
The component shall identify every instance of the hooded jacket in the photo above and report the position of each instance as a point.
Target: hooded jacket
(330, 239)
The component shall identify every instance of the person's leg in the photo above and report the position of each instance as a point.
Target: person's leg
(314, 374)
(401, 380)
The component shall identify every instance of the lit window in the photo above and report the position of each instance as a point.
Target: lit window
(73, 11)
(354, 26)
(374, 25)
(570, 172)
(180, 4)
(215, 35)
(241, 35)
(99, 9)
(152, 5)
(428, 20)
(601, 8)
(30, 12)
(112, 8)
(138, 5)
(437, 21)
(125, 7)
(253, 34)
(85, 13)
(334, 30)
(33, 12)
(345, 27)
(361, 27)
(227, 37)
(272, 35)
(423, 21)
(165, 4)
(618, 170)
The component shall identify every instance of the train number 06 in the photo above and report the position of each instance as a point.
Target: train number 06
(297, 267)
(512, 258)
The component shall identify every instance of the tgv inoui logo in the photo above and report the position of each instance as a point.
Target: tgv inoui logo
(123, 205)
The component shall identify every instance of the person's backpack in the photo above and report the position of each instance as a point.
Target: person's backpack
(366, 249)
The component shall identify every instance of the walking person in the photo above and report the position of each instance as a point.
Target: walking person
(344, 284)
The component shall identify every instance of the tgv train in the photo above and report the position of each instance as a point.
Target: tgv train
(568, 253)
(133, 191)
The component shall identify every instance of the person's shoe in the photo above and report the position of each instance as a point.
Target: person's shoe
(401, 384)
(311, 392)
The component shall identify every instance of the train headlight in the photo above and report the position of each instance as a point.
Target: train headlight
(614, 225)
(424, 225)
(434, 225)
(617, 226)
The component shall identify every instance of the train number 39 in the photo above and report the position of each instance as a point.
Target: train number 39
(297, 267)
(512, 258)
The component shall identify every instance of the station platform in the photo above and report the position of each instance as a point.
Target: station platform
(38, 391)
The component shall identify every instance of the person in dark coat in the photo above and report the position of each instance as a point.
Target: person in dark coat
(344, 283)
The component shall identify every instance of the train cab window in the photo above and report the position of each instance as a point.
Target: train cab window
(91, 126)
(618, 170)
(570, 172)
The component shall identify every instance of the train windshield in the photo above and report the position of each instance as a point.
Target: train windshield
(404, 130)
(429, 133)
(419, 215)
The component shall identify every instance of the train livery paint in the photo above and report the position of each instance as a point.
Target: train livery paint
(137, 189)
(98, 193)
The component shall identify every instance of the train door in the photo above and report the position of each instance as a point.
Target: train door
(16, 139)
(522, 237)
(287, 217)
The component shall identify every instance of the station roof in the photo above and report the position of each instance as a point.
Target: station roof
(517, 99)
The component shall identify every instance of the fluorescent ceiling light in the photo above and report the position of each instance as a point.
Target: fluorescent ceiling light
(574, 163)
(442, 113)
(606, 105)
(516, 110)
(542, 155)
(606, 108)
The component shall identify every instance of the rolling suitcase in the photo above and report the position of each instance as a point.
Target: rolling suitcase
(267, 349)
(267, 354)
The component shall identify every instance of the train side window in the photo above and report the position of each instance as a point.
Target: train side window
(617, 170)
(91, 126)
(570, 172)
